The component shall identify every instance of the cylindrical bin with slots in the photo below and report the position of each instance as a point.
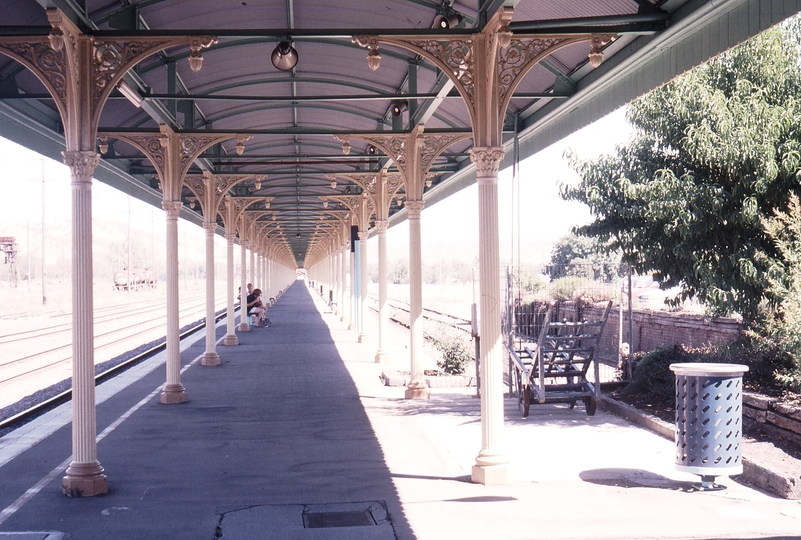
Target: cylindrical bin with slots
(709, 414)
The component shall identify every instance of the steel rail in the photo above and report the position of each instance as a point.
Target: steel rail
(117, 330)
(105, 317)
(40, 408)
(398, 304)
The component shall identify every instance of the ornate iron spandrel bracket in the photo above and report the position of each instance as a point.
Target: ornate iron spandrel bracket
(506, 59)
(212, 202)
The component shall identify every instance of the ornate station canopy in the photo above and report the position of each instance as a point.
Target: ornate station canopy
(296, 93)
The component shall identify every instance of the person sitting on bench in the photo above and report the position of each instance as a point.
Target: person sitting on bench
(256, 307)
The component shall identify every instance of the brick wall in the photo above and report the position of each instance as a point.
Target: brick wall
(652, 329)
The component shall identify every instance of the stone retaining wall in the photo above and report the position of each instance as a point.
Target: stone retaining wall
(770, 415)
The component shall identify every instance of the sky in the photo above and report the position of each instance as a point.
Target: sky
(449, 228)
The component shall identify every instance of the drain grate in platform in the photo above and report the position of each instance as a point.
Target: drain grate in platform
(347, 518)
(333, 521)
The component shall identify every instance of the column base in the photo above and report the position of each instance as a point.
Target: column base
(364, 338)
(173, 393)
(350, 326)
(382, 357)
(491, 468)
(230, 340)
(84, 480)
(417, 390)
(492, 475)
(243, 327)
(210, 358)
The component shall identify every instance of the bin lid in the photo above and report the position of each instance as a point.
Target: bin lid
(717, 370)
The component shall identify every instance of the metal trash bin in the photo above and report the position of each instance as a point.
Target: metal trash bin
(709, 419)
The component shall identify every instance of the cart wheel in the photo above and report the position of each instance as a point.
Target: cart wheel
(590, 405)
(526, 402)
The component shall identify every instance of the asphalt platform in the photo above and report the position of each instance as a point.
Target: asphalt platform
(294, 436)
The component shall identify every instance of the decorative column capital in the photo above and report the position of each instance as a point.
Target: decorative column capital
(414, 209)
(487, 160)
(230, 237)
(82, 164)
(210, 227)
(173, 208)
(382, 225)
(362, 236)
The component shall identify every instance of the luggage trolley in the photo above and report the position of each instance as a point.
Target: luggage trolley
(555, 370)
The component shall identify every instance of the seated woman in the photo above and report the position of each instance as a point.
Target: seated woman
(256, 307)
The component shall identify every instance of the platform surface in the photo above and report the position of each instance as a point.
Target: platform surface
(294, 436)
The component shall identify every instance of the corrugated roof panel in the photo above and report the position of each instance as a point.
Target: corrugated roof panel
(536, 10)
(22, 13)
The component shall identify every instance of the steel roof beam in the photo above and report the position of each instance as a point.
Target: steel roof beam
(285, 131)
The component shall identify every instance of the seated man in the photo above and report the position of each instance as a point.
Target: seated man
(255, 307)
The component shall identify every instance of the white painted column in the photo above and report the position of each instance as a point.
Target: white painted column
(492, 463)
(341, 280)
(254, 277)
(244, 324)
(173, 391)
(351, 257)
(338, 285)
(263, 273)
(230, 323)
(364, 307)
(84, 476)
(270, 272)
(329, 272)
(210, 356)
(417, 388)
(382, 355)
(343, 276)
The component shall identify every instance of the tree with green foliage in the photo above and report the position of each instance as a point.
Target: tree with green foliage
(780, 328)
(714, 151)
(576, 255)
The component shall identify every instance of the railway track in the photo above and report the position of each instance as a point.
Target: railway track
(37, 358)
(400, 314)
(23, 416)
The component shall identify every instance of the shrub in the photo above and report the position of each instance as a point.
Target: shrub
(567, 288)
(653, 379)
(455, 347)
(652, 376)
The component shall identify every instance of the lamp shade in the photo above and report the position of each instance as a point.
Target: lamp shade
(398, 106)
(444, 22)
(284, 56)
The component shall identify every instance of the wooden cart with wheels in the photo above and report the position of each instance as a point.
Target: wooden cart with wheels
(554, 370)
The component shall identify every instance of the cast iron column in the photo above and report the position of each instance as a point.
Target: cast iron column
(173, 391)
(382, 355)
(417, 388)
(210, 357)
(244, 325)
(230, 320)
(84, 477)
(364, 307)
